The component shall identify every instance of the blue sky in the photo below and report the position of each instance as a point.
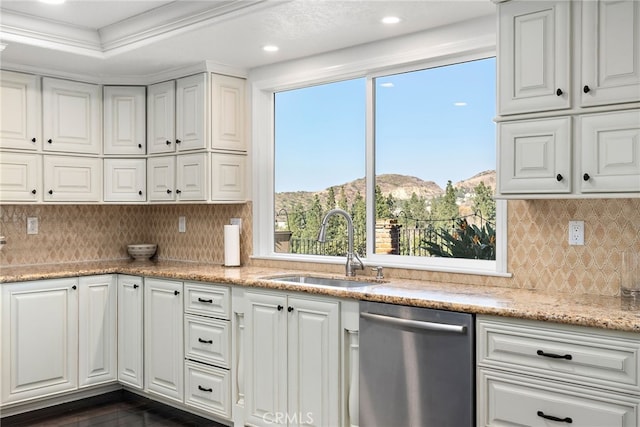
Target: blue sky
(434, 124)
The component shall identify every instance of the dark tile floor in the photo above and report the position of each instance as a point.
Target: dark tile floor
(115, 409)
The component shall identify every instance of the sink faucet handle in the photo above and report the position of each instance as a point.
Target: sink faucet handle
(378, 271)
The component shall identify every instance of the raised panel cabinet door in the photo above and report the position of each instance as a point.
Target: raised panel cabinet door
(535, 156)
(228, 113)
(72, 116)
(72, 179)
(161, 117)
(124, 120)
(161, 178)
(610, 52)
(125, 180)
(265, 361)
(20, 106)
(313, 362)
(39, 339)
(228, 173)
(20, 177)
(163, 339)
(610, 152)
(192, 176)
(97, 330)
(130, 330)
(192, 113)
(533, 56)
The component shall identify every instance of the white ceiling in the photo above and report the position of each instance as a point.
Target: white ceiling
(105, 38)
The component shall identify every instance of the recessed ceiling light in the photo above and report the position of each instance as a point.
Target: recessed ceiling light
(52, 1)
(270, 48)
(390, 20)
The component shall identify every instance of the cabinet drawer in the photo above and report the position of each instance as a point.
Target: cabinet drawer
(207, 340)
(514, 400)
(603, 359)
(208, 388)
(207, 300)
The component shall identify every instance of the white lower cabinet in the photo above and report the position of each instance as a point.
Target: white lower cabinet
(163, 338)
(541, 374)
(97, 330)
(130, 330)
(291, 357)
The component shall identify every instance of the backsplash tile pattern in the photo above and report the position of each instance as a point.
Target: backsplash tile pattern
(539, 256)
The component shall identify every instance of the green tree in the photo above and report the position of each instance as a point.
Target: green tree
(343, 203)
(359, 214)
(483, 203)
(445, 207)
(414, 209)
(383, 206)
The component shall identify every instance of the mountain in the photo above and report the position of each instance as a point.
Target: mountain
(401, 187)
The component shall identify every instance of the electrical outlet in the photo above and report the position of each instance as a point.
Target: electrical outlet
(32, 225)
(182, 224)
(238, 222)
(576, 232)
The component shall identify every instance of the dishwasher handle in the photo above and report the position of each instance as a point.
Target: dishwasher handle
(417, 324)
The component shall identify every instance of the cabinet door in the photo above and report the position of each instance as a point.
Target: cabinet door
(610, 52)
(314, 362)
(192, 113)
(125, 180)
(130, 331)
(20, 177)
(265, 358)
(533, 56)
(228, 177)
(39, 338)
(535, 156)
(72, 179)
(161, 117)
(163, 338)
(161, 176)
(228, 113)
(192, 176)
(72, 118)
(124, 120)
(611, 152)
(19, 111)
(97, 329)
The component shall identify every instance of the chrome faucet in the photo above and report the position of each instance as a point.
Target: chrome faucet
(351, 267)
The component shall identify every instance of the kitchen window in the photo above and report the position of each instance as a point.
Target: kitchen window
(410, 155)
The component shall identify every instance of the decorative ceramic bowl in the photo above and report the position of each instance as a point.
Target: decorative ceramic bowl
(142, 252)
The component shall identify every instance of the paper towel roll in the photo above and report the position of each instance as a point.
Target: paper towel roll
(231, 245)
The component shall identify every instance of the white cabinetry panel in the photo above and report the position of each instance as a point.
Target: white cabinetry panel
(192, 176)
(20, 111)
(208, 388)
(161, 178)
(20, 177)
(72, 179)
(227, 115)
(161, 117)
(130, 330)
(191, 113)
(125, 180)
(228, 173)
(124, 120)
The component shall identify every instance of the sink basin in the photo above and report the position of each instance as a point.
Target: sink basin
(322, 281)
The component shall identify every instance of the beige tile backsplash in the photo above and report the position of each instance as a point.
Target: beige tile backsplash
(539, 256)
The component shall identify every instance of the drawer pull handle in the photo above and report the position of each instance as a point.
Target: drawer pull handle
(552, 418)
(205, 341)
(554, 356)
(210, 390)
(208, 301)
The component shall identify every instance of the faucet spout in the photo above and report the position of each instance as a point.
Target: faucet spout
(353, 261)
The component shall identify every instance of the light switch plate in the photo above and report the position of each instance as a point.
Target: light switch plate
(32, 225)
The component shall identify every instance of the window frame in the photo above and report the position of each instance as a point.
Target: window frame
(263, 150)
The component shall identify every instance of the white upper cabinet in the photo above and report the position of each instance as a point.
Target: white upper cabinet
(161, 117)
(610, 52)
(72, 179)
(227, 177)
(161, 178)
(71, 114)
(192, 176)
(20, 177)
(124, 120)
(20, 104)
(227, 113)
(191, 113)
(125, 180)
(533, 56)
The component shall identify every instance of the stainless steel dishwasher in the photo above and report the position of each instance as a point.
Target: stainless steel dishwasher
(417, 367)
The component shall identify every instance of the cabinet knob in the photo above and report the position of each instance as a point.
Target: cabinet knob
(559, 177)
(49, 141)
(289, 309)
(586, 177)
(74, 287)
(178, 191)
(586, 89)
(139, 145)
(559, 92)
(33, 191)
(50, 191)
(178, 141)
(140, 193)
(168, 191)
(176, 292)
(33, 140)
(280, 307)
(135, 286)
(168, 142)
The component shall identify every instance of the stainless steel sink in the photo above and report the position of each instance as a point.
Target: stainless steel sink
(322, 281)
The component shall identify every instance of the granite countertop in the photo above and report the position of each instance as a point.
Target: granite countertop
(586, 310)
